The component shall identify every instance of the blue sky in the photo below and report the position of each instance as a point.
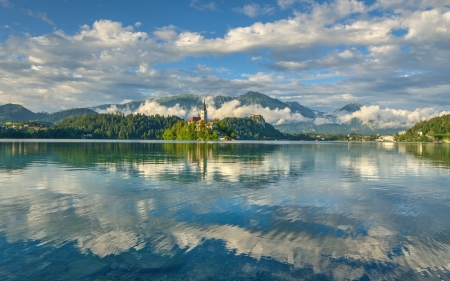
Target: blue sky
(63, 54)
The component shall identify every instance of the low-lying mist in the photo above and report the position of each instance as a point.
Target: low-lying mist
(372, 115)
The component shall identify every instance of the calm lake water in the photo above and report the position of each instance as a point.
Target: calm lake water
(224, 211)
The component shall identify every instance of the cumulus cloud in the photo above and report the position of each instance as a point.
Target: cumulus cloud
(337, 43)
(390, 118)
(229, 109)
(235, 109)
(153, 108)
(371, 115)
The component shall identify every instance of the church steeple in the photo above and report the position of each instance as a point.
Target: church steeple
(204, 113)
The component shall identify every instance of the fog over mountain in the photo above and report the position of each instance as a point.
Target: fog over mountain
(285, 116)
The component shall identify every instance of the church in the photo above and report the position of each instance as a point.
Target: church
(203, 118)
(203, 115)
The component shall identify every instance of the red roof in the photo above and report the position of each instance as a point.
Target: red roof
(195, 119)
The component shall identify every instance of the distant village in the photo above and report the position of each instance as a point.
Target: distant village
(22, 126)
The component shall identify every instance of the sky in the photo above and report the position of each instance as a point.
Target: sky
(61, 54)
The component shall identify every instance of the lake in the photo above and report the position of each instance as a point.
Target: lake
(74, 210)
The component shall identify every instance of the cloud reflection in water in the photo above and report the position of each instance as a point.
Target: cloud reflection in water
(344, 210)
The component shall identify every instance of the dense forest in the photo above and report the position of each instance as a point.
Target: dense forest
(101, 126)
(248, 129)
(434, 129)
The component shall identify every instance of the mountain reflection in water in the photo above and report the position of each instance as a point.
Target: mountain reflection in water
(263, 210)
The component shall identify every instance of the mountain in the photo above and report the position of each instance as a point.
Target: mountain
(58, 116)
(355, 126)
(332, 124)
(253, 98)
(189, 100)
(16, 112)
(351, 107)
(303, 110)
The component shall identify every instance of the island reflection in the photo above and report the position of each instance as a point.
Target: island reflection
(339, 210)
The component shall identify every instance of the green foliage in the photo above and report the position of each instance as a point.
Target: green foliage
(16, 112)
(119, 126)
(101, 126)
(183, 130)
(434, 129)
(248, 129)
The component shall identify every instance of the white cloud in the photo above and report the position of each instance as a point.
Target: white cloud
(6, 3)
(39, 15)
(229, 109)
(264, 77)
(390, 118)
(202, 5)
(253, 10)
(285, 4)
(138, 24)
(110, 62)
(166, 33)
(235, 109)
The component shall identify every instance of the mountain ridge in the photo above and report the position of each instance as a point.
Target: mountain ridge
(189, 101)
(17, 112)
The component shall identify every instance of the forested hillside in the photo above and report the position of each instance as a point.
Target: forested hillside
(120, 126)
(60, 115)
(249, 129)
(437, 128)
(16, 112)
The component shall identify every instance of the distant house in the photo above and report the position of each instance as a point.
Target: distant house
(387, 138)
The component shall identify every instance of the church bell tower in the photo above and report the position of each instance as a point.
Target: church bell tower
(204, 113)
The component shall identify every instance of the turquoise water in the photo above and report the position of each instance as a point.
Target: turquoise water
(224, 211)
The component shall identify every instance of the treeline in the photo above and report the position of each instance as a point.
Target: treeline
(437, 128)
(248, 129)
(101, 126)
(143, 127)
